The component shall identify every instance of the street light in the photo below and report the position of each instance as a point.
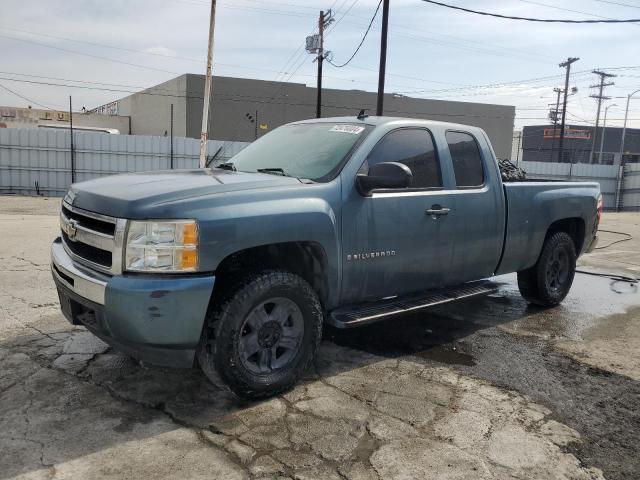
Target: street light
(604, 131)
(624, 127)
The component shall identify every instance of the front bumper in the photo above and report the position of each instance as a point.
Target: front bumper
(156, 319)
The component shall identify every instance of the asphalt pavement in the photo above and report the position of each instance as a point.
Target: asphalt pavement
(487, 388)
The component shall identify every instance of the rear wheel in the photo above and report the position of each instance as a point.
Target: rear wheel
(263, 334)
(548, 282)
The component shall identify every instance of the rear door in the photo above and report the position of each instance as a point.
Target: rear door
(477, 229)
(391, 244)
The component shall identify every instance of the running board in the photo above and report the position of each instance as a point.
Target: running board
(363, 314)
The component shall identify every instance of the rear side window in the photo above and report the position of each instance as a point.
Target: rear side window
(467, 161)
(414, 148)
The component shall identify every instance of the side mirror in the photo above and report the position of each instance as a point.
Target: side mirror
(384, 175)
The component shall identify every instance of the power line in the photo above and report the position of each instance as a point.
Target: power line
(620, 4)
(564, 9)
(268, 100)
(30, 100)
(528, 19)
(361, 41)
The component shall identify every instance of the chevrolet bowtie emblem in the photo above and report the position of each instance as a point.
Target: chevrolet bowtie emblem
(71, 228)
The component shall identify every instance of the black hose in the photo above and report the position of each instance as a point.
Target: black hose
(619, 278)
(628, 237)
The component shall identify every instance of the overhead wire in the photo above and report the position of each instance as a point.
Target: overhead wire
(364, 37)
(528, 19)
(30, 100)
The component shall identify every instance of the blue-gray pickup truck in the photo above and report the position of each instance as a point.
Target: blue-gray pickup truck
(342, 221)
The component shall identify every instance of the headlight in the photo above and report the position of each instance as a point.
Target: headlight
(170, 246)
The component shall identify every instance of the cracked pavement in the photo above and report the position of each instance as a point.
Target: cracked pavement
(485, 389)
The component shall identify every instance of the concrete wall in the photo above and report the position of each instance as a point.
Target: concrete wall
(12, 117)
(278, 103)
(150, 110)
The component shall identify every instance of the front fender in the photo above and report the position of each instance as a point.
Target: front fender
(265, 222)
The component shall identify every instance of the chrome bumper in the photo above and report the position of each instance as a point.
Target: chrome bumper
(82, 282)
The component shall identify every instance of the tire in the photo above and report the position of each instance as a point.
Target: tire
(277, 314)
(548, 282)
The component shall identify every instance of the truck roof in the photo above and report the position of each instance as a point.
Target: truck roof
(376, 121)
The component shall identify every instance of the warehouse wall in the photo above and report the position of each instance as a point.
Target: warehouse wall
(278, 103)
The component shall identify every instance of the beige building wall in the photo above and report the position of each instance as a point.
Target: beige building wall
(12, 117)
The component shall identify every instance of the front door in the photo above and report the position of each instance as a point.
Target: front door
(398, 241)
(478, 232)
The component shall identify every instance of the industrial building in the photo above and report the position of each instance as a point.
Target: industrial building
(244, 109)
(541, 143)
(13, 117)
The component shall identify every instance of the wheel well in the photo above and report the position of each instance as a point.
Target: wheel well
(306, 259)
(574, 227)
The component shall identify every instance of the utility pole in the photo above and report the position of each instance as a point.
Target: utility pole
(320, 59)
(603, 76)
(207, 89)
(624, 132)
(624, 126)
(604, 130)
(171, 140)
(383, 56)
(553, 116)
(73, 157)
(315, 45)
(566, 65)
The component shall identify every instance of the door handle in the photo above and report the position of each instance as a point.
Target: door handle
(437, 211)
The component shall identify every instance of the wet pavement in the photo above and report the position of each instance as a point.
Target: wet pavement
(486, 388)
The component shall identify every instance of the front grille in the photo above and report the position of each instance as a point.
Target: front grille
(91, 223)
(92, 239)
(88, 252)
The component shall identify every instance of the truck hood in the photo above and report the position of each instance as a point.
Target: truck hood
(129, 195)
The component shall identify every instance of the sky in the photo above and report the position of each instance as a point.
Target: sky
(99, 51)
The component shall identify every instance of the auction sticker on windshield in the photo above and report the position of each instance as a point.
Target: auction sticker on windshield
(353, 129)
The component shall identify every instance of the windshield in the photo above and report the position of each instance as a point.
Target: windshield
(313, 151)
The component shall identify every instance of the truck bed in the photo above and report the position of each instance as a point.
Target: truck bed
(533, 206)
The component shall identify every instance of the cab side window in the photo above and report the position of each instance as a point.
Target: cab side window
(466, 158)
(415, 149)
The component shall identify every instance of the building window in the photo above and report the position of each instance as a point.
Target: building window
(631, 158)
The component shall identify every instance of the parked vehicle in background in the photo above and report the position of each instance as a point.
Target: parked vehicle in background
(339, 220)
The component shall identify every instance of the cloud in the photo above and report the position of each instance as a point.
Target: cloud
(167, 52)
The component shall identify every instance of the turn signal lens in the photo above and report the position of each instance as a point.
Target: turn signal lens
(189, 234)
(189, 260)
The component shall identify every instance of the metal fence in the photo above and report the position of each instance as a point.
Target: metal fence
(605, 175)
(36, 161)
(630, 198)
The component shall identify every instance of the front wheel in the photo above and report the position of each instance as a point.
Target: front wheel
(263, 334)
(548, 282)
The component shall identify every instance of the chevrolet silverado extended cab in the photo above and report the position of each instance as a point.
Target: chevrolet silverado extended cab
(342, 221)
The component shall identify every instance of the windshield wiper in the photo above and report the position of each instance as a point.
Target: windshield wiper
(273, 171)
(227, 166)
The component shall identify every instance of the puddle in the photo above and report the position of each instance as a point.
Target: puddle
(448, 354)
(432, 333)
